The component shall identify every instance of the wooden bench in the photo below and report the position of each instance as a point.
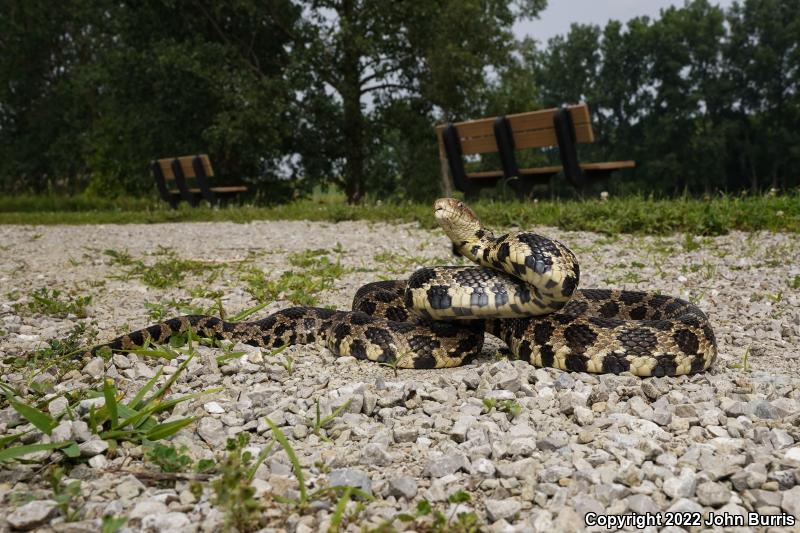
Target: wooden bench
(191, 167)
(563, 127)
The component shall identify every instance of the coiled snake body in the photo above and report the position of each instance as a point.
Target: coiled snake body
(524, 292)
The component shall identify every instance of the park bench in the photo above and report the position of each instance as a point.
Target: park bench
(190, 175)
(563, 127)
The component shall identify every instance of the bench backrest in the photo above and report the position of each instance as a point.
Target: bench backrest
(534, 129)
(186, 164)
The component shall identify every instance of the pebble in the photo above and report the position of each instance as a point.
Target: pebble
(713, 494)
(91, 448)
(213, 408)
(32, 514)
(147, 508)
(95, 367)
(129, 488)
(441, 466)
(212, 431)
(790, 502)
(403, 487)
(351, 478)
(505, 509)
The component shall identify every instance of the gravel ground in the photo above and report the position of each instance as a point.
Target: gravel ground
(723, 443)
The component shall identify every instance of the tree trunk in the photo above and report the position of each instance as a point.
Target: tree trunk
(353, 114)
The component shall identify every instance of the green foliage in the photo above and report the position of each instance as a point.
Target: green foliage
(65, 495)
(135, 421)
(233, 491)
(112, 524)
(629, 214)
(167, 458)
(51, 302)
(318, 423)
(427, 519)
(692, 96)
(511, 407)
(167, 271)
(316, 273)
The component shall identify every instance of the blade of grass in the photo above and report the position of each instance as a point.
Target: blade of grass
(241, 315)
(260, 459)
(19, 451)
(298, 471)
(158, 354)
(110, 394)
(134, 404)
(167, 429)
(43, 422)
(8, 439)
(338, 512)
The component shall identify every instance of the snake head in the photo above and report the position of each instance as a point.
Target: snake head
(457, 220)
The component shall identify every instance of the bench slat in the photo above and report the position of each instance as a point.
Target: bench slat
(221, 190)
(609, 165)
(538, 120)
(478, 145)
(530, 130)
(186, 166)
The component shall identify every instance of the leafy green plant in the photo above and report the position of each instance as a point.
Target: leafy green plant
(133, 421)
(51, 302)
(690, 244)
(112, 524)
(167, 458)
(427, 519)
(318, 423)
(233, 490)
(511, 407)
(65, 495)
(288, 364)
(744, 365)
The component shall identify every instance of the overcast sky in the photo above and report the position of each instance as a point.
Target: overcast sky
(559, 14)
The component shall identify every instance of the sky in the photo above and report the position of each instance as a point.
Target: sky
(556, 19)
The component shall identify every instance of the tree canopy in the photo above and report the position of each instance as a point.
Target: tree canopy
(291, 94)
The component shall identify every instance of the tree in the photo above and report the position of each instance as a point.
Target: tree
(763, 56)
(115, 84)
(364, 56)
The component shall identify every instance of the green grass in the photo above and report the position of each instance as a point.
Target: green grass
(617, 215)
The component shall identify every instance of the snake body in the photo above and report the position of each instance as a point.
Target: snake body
(523, 290)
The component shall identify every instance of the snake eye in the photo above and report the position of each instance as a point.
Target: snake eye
(460, 204)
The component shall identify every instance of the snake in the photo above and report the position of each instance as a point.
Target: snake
(522, 288)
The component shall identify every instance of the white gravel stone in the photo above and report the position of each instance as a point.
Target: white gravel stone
(504, 509)
(32, 514)
(91, 448)
(403, 487)
(212, 431)
(147, 508)
(213, 408)
(713, 494)
(790, 502)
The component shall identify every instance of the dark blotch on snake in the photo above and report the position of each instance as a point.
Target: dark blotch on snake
(686, 341)
(615, 364)
(579, 337)
(608, 309)
(665, 366)
(575, 362)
